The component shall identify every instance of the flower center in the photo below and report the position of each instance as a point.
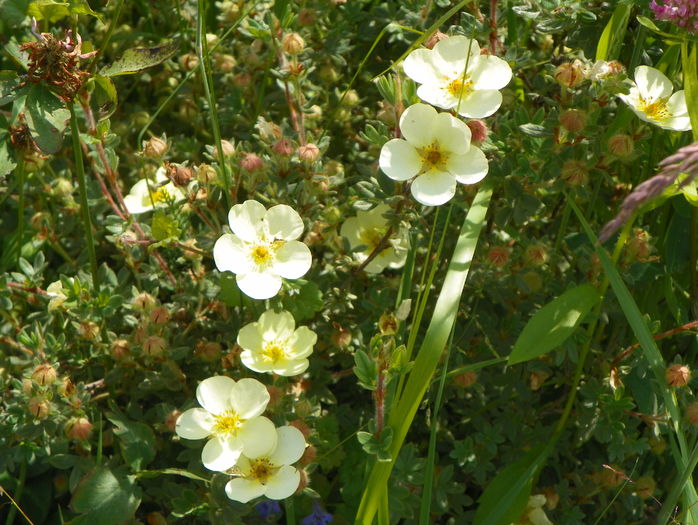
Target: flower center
(261, 254)
(460, 87)
(371, 237)
(433, 158)
(654, 110)
(261, 469)
(228, 423)
(274, 351)
(161, 195)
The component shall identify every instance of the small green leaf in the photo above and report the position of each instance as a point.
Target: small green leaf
(230, 294)
(47, 118)
(612, 36)
(554, 323)
(163, 226)
(137, 440)
(138, 59)
(306, 302)
(105, 96)
(7, 164)
(366, 370)
(106, 497)
(9, 82)
(535, 130)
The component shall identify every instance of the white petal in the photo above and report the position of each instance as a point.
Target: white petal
(244, 490)
(195, 423)
(138, 200)
(161, 174)
(350, 230)
(290, 367)
(283, 484)
(652, 83)
(676, 123)
(437, 95)
(293, 260)
(452, 134)
(290, 446)
(250, 338)
(259, 285)
(420, 67)
(399, 160)
(417, 124)
(246, 220)
(230, 254)
(302, 341)
(676, 105)
(480, 104)
(249, 398)
(284, 222)
(214, 394)
(273, 325)
(377, 265)
(490, 72)
(221, 454)
(434, 189)
(451, 54)
(469, 168)
(374, 217)
(258, 437)
(255, 362)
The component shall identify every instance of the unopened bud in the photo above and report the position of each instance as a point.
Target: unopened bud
(292, 43)
(573, 120)
(78, 428)
(308, 456)
(155, 148)
(143, 302)
(44, 375)
(309, 153)
(189, 61)
(387, 324)
(436, 37)
(498, 255)
(466, 379)
(88, 330)
(341, 336)
(224, 63)
(575, 173)
(180, 175)
(537, 379)
(120, 349)
(570, 74)
(206, 173)
(351, 98)
(536, 254)
(251, 162)
(39, 408)
(283, 147)
(678, 375)
(227, 147)
(159, 315)
(478, 130)
(66, 387)
(63, 188)
(621, 145)
(154, 346)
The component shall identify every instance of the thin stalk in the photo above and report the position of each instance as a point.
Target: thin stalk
(679, 486)
(22, 176)
(84, 207)
(693, 258)
(290, 511)
(18, 495)
(207, 80)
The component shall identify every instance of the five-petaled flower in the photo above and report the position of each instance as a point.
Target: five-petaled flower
(230, 417)
(367, 229)
(146, 195)
(455, 75)
(262, 248)
(274, 344)
(651, 99)
(269, 473)
(437, 151)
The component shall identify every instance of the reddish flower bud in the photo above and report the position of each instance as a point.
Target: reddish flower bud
(78, 428)
(251, 162)
(309, 153)
(283, 147)
(570, 74)
(573, 120)
(678, 375)
(478, 130)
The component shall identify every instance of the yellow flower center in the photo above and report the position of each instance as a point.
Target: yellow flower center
(460, 87)
(228, 423)
(161, 195)
(274, 351)
(261, 254)
(261, 470)
(433, 158)
(656, 110)
(371, 237)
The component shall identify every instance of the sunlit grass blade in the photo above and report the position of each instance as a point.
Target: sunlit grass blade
(429, 355)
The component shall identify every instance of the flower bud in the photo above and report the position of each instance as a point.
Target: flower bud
(227, 147)
(155, 148)
(120, 349)
(63, 188)
(621, 145)
(208, 351)
(678, 375)
(436, 37)
(78, 428)
(180, 175)
(88, 330)
(189, 61)
(154, 346)
(387, 324)
(302, 426)
(39, 408)
(205, 173)
(27, 386)
(309, 153)
(573, 120)
(351, 98)
(44, 375)
(537, 379)
(159, 315)
(570, 74)
(224, 63)
(251, 162)
(171, 419)
(283, 147)
(308, 456)
(536, 254)
(478, 130)
(575, 173)
(66, 387)
(466, 379)
(498, 255)
(328, 74)
(143, 302)
(292, 43)
(341, 336)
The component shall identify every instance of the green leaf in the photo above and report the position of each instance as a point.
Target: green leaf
(689, 62)
(105, 497)
(163, 226)
(9, 82)
(105, 96)
(306, 302)
(47, 118)
(366, 370)
(613, 34)
(13, 12)
(54, 11)
(554, 323)
(230, 294)
(506, 496)
(535, 130)
(140, 58)
(7, 164)
(137, 440)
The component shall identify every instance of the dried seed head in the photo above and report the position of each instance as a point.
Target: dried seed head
(155, 148)
(292, 43)
(570, 74)
(575, 173)
(78, 428)
(678, 375)
(39, 408)
(621, 145)
(573, 120)
(44, 375)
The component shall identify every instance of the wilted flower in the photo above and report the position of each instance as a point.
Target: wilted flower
(651, 99)
(274, 344)
(367, 229)
(270, 473)
(55, 292)
(455, 75)
(230, 417)
(678, 375)
(144, 195)
(534, 513)
(262, 248)
(436, 152)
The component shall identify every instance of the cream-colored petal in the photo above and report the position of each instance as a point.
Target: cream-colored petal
(437, 95)
(138, 199)
(258, 437)
(259, 285)
(231, 254)
(652, 83)
(420, 67)
(434, 189)
(374, 218)
(290, 446)
(214, 392)
(451, 55)
(246, 220)
(290, 367)
(293, 260)
(417, 125)
(469, 168)
(220, 454)
(676, 123)
(249, 398)
(377, 265)
(451, 134)
(250, 338)
(161, 174)
(244, 490)
(284, 222)
(274, 325)
(537, 517)
(283, 484)
(302, 341)
(350, 230)
(255, 362)
(480, 104)
(490, 72)
(676, 105)
(195, 423)
(399, 160)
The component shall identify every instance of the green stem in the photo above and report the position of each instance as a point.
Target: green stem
(18, 493)
(290, 511)
(207, 79)
(82, 185)
(22, 175)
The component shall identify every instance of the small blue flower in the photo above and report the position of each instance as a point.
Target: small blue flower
(268, 510)
(318, 516)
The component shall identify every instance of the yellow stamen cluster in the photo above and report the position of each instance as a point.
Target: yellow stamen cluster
(656, 110)
(274, 351)
(371, 237)
(228, 423)
(261, 254)
(433, 158)
(161, 195)
(460, 87)
(261, 470)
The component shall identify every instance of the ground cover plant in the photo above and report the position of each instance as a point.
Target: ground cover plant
(348, 261)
